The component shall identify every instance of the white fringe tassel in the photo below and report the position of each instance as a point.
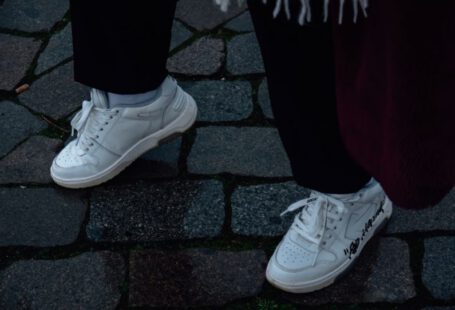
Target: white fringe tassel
(305, 10)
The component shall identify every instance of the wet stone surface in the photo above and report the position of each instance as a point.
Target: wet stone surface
(32, 15)
(203, 14)
(221, 100)
(40, 217)
(256, 209)
(16, 56)
(244, 55)
(87, 281)
(203, 57)
(59, 48)
(439, 267)
(191, 278)
(248, 151)
(30, 162)
(155, 212)
(56, 94)
(16, 124)
(381, 274)
(440, 217)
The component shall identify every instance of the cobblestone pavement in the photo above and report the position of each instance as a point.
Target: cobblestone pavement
(193, 222)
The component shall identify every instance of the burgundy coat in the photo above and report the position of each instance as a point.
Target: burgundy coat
(396, 96)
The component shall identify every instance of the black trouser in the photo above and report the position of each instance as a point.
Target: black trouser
(123, 49)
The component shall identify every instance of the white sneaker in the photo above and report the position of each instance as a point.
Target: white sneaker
(326, 238)
(109, 140)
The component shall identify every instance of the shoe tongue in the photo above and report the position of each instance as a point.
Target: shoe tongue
(99, 99)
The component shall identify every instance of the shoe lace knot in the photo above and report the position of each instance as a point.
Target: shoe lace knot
(318, 214)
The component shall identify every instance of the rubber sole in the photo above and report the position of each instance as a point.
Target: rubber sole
(171, 131)
(337, 274)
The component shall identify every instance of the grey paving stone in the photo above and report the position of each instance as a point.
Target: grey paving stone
(16, 124)
(242, 23)
(250, 151)
(221, 100)
(440, 217)
(87, 281)
(40, 217)
(203, 14)
(153, 212)
(16, 55)
(60, 47)
(32, 15)
(56, 94)
(381, 274)
(204, 57)
(264, 100)
(197, 277)
(179, 34)
(244, 55)
(256, 209)
(439, 267)
(30, 162)
(161, 162)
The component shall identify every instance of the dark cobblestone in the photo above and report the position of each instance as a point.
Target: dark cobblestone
(439, 267)
(161, 162)
(440, 217)
(32, 15)
(16, 124)
(59, 48)
(256, 209)
(88, 281)
(382, 274)
(243, 23)
(244, 55)
(30, 162)
(16, 55)
(56, 94)
(197, 13)
(179, 34)
(199, 277)
(40, 217)
(221, 100)
(264, 100)
(155, 212)
(248, 151)
(203, 57)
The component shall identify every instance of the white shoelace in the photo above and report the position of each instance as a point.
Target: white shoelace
(319, 213)
(88, 123)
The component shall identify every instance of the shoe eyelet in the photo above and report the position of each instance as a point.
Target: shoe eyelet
(117, 111)
(97, 136)
(101, 129)
(106, 123)
(111, 117)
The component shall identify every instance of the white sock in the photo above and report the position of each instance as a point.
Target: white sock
(347, 197)
(131, 100)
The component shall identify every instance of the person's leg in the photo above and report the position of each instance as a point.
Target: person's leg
(121, 50)
(344, 210)
(301, 78)
(121, 47)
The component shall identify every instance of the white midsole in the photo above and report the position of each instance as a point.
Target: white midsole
(179, 125)
(328, 279)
